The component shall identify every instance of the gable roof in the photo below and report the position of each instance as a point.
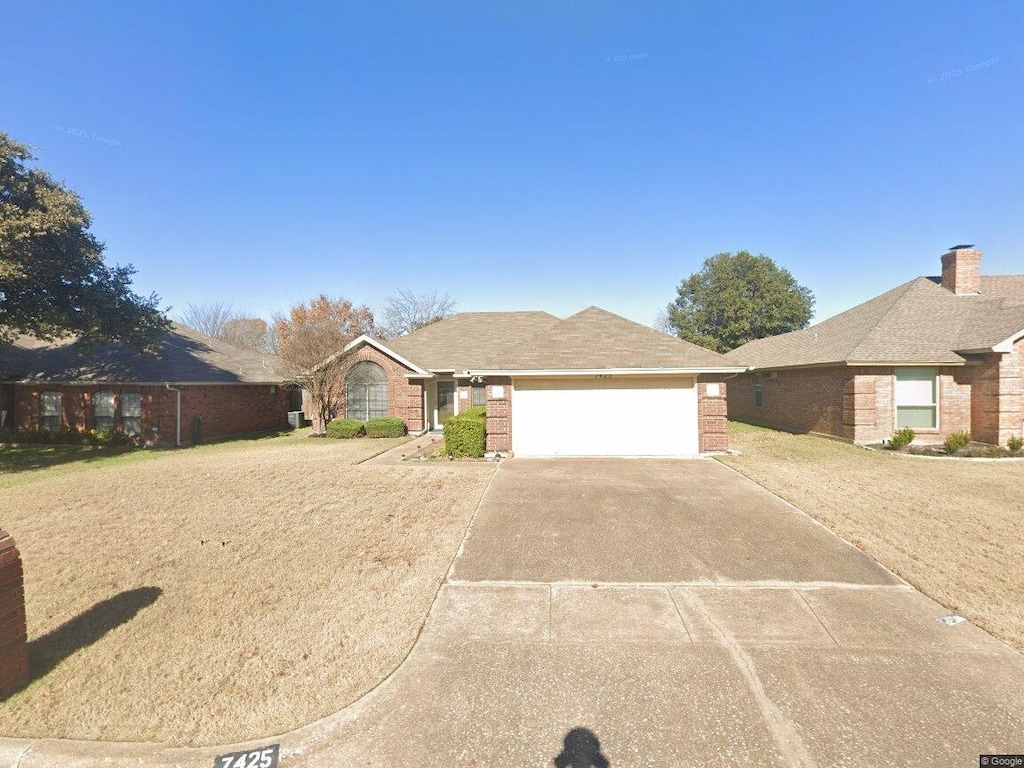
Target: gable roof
(596, 339)
(460, 342)
(185, 357)
(593, 339)
(917, 323)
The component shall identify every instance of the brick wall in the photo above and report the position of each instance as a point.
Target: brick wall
(997, 403)
(405, 397)
(14, 672)
(712, 415)
(224, 409)
(1011, 393)
(955, 407)
(499, 415)
(858, 403)
(985, 400)
(464, 394)
(808, 400)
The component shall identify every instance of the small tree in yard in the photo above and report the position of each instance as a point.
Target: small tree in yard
(736, 298)
(310, 340)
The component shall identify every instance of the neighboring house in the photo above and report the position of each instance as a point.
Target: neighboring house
(594, 384)
(196, 389)
(939, 355)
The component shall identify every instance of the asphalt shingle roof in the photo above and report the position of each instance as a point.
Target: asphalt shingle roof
(917, 322)
(185, 357)
(460, 342)
(593, 339)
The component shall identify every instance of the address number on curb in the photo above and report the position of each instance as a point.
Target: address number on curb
(254, 758)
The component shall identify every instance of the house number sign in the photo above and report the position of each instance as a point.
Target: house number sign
(253, 758)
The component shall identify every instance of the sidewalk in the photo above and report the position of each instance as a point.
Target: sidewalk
(397, 455)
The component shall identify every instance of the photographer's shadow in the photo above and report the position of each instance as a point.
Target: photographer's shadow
(581, 749)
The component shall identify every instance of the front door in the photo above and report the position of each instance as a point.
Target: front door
(445, 401)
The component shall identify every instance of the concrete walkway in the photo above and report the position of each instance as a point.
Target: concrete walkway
(397, 454)
(747, 635)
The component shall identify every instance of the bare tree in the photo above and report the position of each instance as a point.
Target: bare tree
(663, 324)
(310, 340)
(209, 319)
(247, 333)
(406, 311)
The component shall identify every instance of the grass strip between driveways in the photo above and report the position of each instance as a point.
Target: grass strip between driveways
(950, 527)
(227, 592)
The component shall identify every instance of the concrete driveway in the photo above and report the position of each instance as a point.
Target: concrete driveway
(656, 613)
(680, 615)
(648, 521)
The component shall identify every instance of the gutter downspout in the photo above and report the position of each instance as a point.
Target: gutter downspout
(177, 417)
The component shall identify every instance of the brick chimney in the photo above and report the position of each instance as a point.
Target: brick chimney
(961, 270)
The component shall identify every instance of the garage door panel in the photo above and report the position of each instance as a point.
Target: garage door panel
(604, 417)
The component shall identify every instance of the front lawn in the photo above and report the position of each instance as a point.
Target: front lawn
(226, 592)
(43, 456)
(951, 528)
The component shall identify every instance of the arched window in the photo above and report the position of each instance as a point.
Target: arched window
(366, 392)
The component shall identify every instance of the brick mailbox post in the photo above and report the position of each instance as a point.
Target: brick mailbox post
(13, 635)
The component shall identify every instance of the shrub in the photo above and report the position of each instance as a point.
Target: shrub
(956, 441)
(901, 439)
(465, 435)
(43, 437)
(105, 437)
(480, 412)
(344, 428)
(386, 427)
(1015, 443)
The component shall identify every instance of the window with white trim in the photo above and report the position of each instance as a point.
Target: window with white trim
(758, 390)
(131, 413)
(103, 411)
(917, 398)
(50, 411)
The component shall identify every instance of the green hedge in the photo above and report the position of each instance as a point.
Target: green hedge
(466, 434)
(343, 428)
(386, 427)
(92, 437)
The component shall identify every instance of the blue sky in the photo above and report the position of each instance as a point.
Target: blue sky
(525, 155)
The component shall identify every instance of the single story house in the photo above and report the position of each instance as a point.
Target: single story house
(195, 389)
(594, 384)
(937, 354)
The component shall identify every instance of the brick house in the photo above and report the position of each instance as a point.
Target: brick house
(195, 389)
(594, 384)
(937, 354)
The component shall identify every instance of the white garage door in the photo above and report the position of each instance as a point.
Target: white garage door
(621, 416)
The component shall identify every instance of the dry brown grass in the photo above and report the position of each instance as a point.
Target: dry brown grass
(950, 527)
(229, 592)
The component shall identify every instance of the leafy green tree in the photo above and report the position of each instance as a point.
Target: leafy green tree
(736, 298)
(53, 282)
